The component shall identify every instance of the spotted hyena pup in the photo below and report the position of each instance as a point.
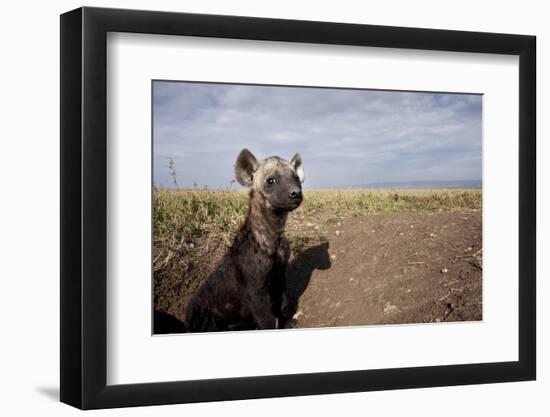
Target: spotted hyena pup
(246, 290)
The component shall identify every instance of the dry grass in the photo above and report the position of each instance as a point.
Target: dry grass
(192, 229)
(360, 202)
(183, 217)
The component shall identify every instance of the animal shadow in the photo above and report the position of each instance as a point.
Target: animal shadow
(299, 273)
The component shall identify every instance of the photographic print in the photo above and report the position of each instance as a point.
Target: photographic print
(357, 201)
(294, 207)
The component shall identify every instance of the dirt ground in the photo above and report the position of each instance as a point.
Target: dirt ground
(415, 267)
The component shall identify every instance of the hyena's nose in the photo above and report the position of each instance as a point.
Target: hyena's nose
(295, 194)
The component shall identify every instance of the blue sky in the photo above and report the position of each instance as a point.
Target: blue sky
(346, 137)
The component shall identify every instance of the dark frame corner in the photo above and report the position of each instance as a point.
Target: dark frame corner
(83, 207)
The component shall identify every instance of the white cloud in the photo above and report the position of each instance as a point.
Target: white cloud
(346, 137)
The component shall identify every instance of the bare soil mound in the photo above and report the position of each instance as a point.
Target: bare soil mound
(392, 268)
(410, 267)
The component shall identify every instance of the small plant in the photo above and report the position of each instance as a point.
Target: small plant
(172, 171)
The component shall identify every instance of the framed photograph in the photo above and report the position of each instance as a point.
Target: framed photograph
(258, 207)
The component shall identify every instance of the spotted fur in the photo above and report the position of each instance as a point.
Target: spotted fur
(246, 289)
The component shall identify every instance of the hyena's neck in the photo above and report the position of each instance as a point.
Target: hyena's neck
(267, 226)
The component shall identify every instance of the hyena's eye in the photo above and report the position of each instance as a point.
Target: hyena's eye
(271, 180)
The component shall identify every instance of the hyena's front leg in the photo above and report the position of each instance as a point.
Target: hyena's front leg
(284, 314)
(286, 319)
(282, 305)
(260, 307)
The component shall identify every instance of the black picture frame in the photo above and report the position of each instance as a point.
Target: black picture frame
(84, 207)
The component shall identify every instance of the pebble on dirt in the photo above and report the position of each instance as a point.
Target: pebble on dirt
(390, 308)
(298, 314)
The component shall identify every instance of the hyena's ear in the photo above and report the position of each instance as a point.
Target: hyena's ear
(298, 166)
(245, 167)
